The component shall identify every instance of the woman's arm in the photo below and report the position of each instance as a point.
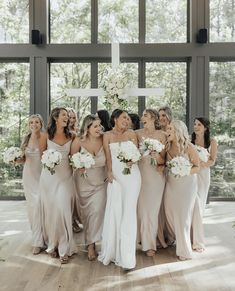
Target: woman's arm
(213, 155)
(106, 141)
(194, 159)
(43, 142)
(133, 137)
(75, 146)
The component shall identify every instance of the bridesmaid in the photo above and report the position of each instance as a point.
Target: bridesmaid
(32, 147)
(92, 190)
(153, 183)
(73, 128)
(201, 137)
(73, 121)
(57, 191)
(180, 193)
(165, 116)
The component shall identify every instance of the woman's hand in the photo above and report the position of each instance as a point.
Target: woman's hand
(82, 170)
(130, 164)
(19, 161)
(203, 164)
(160, 168)
(110, 177)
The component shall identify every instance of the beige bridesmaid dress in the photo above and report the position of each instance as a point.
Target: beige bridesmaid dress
(57, 193)
(92, 197)
(149, 203)
(179, 201)
(31, 175)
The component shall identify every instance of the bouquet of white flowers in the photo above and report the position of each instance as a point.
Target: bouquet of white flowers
(149, 145)
(82, 160)
(203, 153)
(128, 152)
(50, 159)
(12, 154)
(114, 84)
(179, 167)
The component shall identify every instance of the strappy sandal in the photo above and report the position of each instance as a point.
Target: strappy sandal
(93, 255)
(64, 259)
(76, 228)
(150, 253)
(36, 250)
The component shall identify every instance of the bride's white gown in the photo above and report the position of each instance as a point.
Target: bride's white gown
(120, 221)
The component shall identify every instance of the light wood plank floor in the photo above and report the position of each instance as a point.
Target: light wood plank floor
(212, 270)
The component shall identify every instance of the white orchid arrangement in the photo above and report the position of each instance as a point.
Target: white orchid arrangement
(11, 155)
(149, 145)
(128, 152)
(82, 160)
(114, 84)
(50, 159)
(203, 153)
(179, 167)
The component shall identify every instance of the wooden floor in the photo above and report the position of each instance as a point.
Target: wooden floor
(212, 270)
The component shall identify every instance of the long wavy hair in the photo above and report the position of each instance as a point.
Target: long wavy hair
(207, 139)
(51, 128)
(26, 138)
(75, 114)
(86, 124)
(167, 111)
(182, 136)
(105, 119)
(115, 114)
(154, 115)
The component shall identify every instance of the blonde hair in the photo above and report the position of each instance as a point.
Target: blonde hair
(154, 115)
(86, 124)
(70, 109)
(182, 136)
(167, 111)
(28, 135)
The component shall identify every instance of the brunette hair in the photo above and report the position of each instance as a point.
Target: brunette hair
(105, 119)
(207, 140)
(115, 114)
(51, 128)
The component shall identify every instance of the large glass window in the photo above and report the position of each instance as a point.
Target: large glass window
(14, 21)
(171, 77)
(166, 21)
(132, 70)
(70, 21)
(222, 116)
(14, 112)
(222, 20)
(118, 21)
(65, 76)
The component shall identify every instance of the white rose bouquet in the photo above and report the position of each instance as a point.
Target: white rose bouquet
(149, 145)
(128, 152)
(203, 153)
(82, 160)
(50, 159)
(114, 84)
(179, 167)
(12, 154)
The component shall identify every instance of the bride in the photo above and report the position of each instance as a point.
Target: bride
(120, 222)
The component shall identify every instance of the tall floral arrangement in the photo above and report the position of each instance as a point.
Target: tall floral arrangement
(114, 84)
